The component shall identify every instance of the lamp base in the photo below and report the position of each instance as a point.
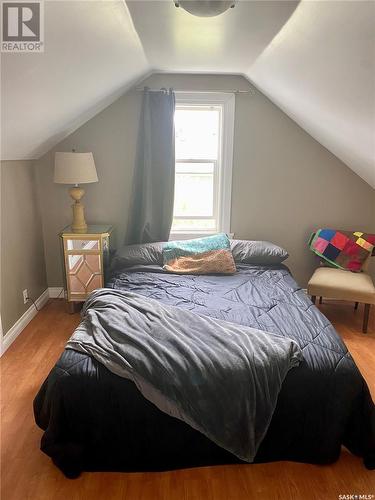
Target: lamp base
(79, 224)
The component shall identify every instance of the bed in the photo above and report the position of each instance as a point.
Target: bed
(94, 420)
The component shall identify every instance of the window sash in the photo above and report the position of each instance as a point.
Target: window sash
(216, 171)
(225, 102)
(203, 107)
(190, 161)
(215, 207)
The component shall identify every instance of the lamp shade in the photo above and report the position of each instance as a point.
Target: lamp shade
(75, 168)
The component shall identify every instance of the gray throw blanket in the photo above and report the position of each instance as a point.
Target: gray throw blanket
(221, 378)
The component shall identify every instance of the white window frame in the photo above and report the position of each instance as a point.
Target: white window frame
(225, 157)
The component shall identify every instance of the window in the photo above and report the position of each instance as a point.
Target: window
(204, 150)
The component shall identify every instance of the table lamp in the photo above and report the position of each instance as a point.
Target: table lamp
(76, 168)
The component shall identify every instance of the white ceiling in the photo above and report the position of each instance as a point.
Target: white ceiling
(320, 69)
(174, 40)
(92, 54)
(314, 59)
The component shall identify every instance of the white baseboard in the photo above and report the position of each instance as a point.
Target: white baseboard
(56, 292)
(20, 325)
(24, 320)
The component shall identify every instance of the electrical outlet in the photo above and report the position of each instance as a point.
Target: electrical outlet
(25, 296)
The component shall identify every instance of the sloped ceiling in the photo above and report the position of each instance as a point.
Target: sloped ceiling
(92, 54)
(315, 60)
(320, 69)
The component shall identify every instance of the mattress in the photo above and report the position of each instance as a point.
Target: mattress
(95, 420)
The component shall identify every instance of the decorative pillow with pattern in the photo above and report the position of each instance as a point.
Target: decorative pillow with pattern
(209, 255)
(343, 249)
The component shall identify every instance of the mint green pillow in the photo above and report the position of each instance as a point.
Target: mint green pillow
(209, 255)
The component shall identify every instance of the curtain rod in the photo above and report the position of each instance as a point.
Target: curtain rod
(236, 91)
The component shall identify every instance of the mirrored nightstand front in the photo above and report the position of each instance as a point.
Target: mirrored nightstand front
(86, 260)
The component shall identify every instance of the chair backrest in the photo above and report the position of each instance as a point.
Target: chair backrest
(366, 263)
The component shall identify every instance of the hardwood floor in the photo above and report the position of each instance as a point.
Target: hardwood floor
(26, 473)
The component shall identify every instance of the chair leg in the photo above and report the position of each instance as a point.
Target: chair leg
(313, 298)
(356, 306)
(366, 317)
(320, 300)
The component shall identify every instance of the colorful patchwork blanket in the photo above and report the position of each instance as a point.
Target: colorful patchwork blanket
(343, 249)
(210, 255)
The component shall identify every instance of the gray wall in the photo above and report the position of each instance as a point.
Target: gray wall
(285, 183)
(22, 252)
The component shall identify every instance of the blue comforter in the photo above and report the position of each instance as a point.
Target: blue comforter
(221, 378)
(95, 420)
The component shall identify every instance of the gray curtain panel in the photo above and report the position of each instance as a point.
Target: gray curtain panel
(151, 211)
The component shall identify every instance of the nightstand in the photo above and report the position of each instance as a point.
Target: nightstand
(86, 261)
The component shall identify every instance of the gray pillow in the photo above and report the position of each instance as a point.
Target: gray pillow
(144, 254)
(257, 252)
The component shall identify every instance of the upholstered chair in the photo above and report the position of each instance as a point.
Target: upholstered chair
(338, 284)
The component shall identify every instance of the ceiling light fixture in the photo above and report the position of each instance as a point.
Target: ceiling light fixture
(205, 8)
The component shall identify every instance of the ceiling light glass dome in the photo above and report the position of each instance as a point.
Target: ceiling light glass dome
(205, 8)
